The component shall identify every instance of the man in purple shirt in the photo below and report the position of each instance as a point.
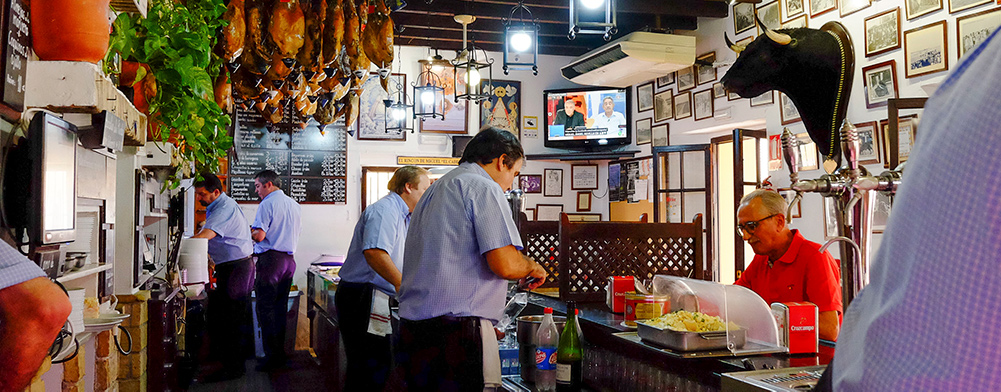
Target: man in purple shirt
(276, 230)
(462, 248)
(371, 273)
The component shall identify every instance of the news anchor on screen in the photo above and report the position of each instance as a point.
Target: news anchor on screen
(569, 117)
(609, 119)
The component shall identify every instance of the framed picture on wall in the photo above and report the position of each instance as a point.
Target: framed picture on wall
(869, 143)
(548, 212)
(661, 135)
(770, 16)
(718, 90)
(798, 23)
(830, 219)
(707, 72)
(643, 131)
(743, 17)
(663, 106)
(880, 212)
(916, 8)
(665, 80)
(583, 177)
(766, 98)
(502, 108)
(906, 128)
(882, 32)
(793, 9)
(683, 105)
(973, 29)
(959, 5)
(808, 154)
(456, 114)
(372, 116)
(787, 110)
(703, 103)
(790, 195)
(846, 7)
(553, 183)
(880, 81)
(818, 7)
(686, 79)
(926, 50)
(530, 183)
(589, 217)
(644, 97)
(584, 201)
(530, 213)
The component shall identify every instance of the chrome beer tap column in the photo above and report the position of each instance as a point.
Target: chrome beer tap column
(790, 151)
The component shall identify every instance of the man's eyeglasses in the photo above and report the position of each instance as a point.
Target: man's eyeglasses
(749, 227)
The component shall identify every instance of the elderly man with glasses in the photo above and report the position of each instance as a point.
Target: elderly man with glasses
(787, 267)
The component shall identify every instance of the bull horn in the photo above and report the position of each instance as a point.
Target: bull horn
(779, 38)
(734, 47)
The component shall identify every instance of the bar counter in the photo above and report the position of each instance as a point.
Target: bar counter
(615, 364)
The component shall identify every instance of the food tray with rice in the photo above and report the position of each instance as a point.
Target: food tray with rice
(691, 331)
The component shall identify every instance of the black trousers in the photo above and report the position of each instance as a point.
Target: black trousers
(441, 354)
(229, 322)
(274, 280)
(369, 356)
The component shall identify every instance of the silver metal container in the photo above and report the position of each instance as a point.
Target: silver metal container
(528, 326)
(689, 341)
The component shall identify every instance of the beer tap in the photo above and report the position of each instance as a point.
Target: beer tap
(790, 151)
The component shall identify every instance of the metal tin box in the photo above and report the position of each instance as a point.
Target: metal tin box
(689, 341)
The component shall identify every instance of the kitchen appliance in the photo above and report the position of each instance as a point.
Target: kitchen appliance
(787, 379)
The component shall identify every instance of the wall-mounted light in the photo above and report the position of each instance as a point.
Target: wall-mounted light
(396, 108)
(521, 40)
(592, 22)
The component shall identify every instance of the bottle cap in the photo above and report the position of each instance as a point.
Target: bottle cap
(548, 311)
(576, 312)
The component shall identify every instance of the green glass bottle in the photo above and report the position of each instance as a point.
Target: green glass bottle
(569, 354)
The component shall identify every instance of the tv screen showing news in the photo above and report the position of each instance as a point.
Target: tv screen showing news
(587, 117)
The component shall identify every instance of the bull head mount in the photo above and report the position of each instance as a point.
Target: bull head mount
(814, 68)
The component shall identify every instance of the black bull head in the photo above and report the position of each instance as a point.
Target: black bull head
(814, 68)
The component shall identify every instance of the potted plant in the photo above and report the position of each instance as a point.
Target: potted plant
(175, 42)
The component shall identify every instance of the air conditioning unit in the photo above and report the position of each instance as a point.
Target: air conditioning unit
(632, 59)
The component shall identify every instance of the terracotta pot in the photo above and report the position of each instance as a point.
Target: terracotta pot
(144, 90)
(70, 30)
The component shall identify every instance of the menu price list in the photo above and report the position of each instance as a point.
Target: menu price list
(319, 164)
(250, 162)
(318, 190)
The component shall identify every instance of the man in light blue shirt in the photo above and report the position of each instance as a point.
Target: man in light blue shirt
(462, 248)
(276, 230)
(609, 119)
(229, 321)
(372, 267)
(928, 319)
(32, 311)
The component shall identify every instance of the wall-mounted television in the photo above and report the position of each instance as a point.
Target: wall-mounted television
(587, 118)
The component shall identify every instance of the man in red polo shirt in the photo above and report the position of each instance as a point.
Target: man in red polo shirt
(786, 267)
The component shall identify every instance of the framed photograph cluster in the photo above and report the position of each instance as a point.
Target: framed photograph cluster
(683, 105)
(847, 7)
(819, 7)
(870, 146)
(766, 98)
(661, 135)
(798, 23)
(706, 71)
(880, 81)
(583, 177)
(787, 110)
(793, 9)
(973, 29)
(718, 90)
(882, 32)
(743, 17)
(643, 131)
(916, 8)
(665, 80)
(530, 183)
(703, 104)
(663, 106)
(553, 183)
(686, 79)
(906, 133)
(926, 50)
(959, 5)
(808, 153)
(644, 97)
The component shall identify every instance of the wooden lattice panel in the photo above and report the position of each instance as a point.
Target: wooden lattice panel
(542, 244)
(593, 251)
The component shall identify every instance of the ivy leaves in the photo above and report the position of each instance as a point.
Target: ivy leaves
(176, 41)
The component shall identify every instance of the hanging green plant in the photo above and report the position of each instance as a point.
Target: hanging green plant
(175, 40)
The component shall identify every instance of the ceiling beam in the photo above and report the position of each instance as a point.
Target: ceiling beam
(693, 8)
(625, 25)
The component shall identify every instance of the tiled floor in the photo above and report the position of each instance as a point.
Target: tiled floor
(300, 374)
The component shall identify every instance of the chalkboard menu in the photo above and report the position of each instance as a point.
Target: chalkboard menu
(15, 28)
(312, 164)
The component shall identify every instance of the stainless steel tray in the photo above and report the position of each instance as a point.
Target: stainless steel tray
(689, 341)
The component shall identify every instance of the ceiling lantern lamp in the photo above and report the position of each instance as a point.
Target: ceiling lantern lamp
(396, 109)
(469, 69)
(521, 40)
(586, 18)
(429, 93)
